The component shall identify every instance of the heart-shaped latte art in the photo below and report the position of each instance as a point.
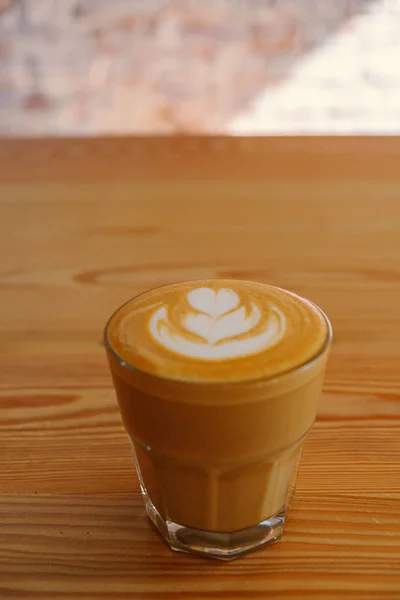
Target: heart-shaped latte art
(213, 303)
(217, 326)
(215, 318)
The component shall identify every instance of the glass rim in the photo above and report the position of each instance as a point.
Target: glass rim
(304, 365)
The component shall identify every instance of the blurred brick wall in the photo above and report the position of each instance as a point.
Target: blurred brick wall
(120, 66)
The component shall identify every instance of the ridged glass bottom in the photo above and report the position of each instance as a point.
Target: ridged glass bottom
(223, 546)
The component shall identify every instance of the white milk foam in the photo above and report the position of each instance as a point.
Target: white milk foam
(217, 326)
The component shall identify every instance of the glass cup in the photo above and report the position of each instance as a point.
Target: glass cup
(217, 462)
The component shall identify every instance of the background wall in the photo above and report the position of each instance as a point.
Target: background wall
(86, 67)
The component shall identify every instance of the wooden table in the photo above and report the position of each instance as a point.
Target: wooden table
(87, 224)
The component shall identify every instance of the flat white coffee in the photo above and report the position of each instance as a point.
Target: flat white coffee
(217, 330)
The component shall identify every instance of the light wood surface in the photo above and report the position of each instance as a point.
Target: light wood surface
(87, 224)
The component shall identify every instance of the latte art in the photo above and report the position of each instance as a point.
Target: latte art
(216, 325)
(218, 330)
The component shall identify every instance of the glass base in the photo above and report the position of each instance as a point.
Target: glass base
(223, 546)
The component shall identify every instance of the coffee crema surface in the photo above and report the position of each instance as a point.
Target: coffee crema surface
(214, 331)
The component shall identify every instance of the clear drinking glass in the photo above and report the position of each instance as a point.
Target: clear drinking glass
(217, 462)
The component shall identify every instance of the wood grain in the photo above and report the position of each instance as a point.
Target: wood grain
(208, 158)
(98, 546)
(84, 226)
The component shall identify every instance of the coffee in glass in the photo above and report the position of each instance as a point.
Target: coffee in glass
(218, 382)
